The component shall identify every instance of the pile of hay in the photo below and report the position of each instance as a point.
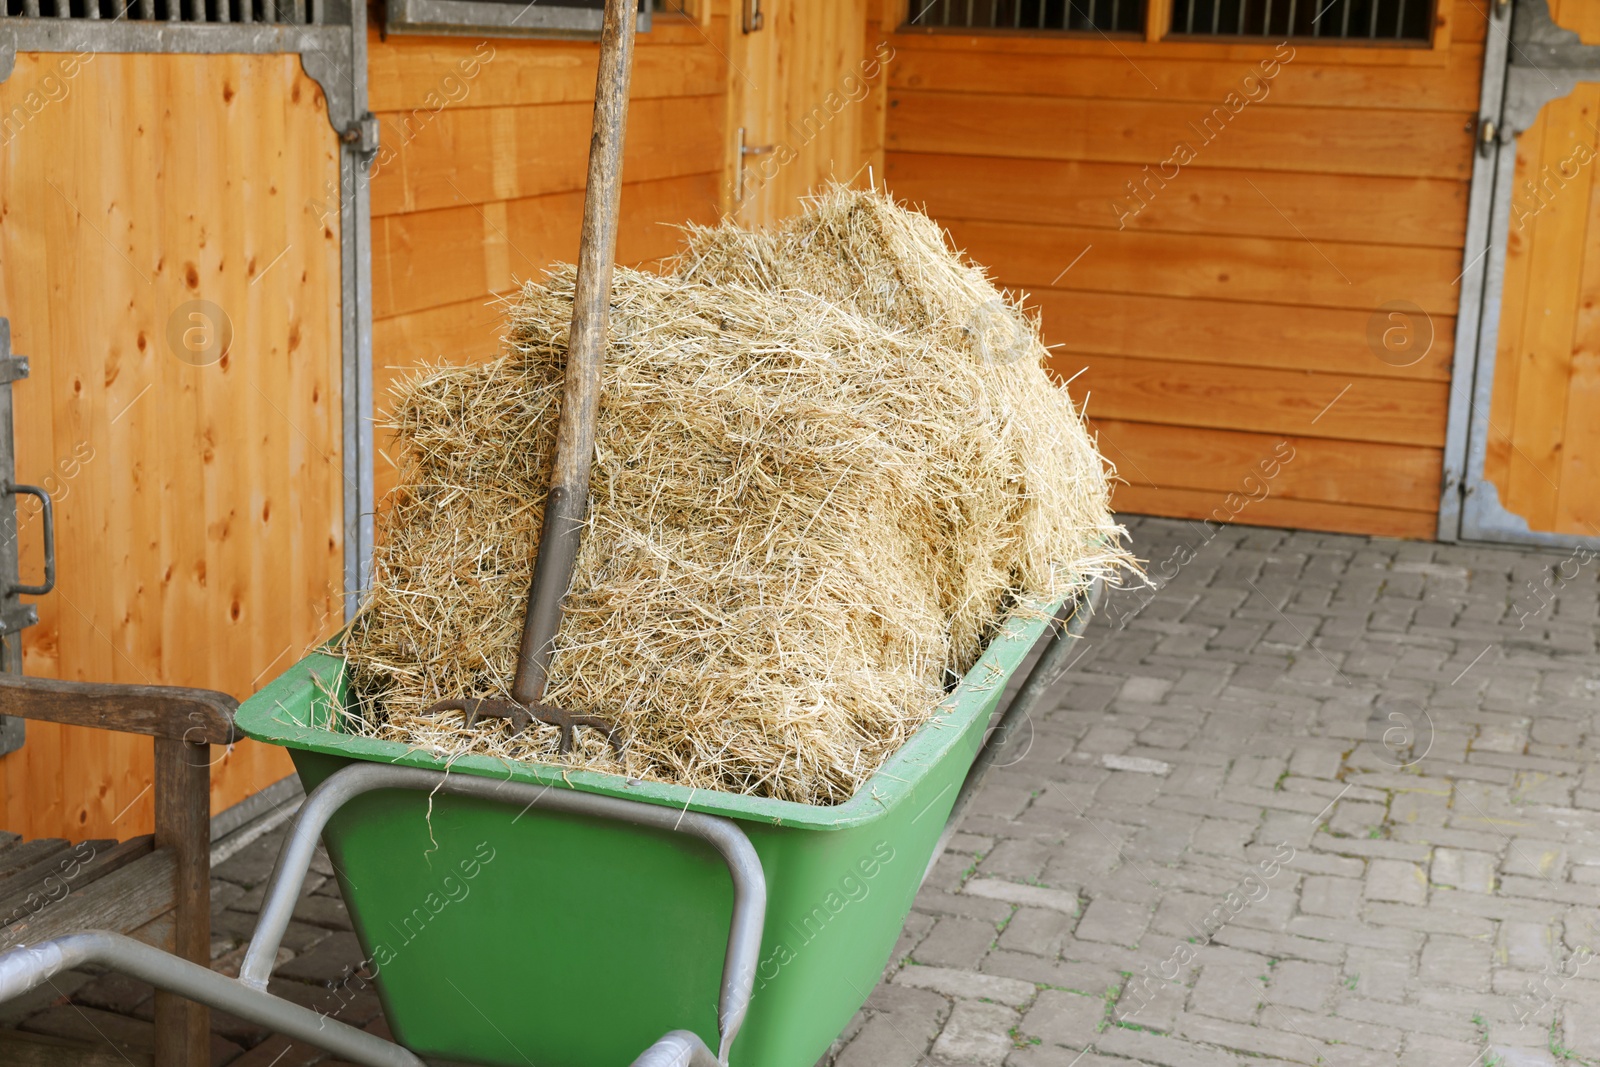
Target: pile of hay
(829, 463)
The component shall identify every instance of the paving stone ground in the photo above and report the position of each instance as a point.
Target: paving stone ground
(1311, 800)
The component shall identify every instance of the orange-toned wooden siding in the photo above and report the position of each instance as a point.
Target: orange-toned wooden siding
(198, 508)
(807, 86)
(1232, 310)
(1543, 446)
(480, 184)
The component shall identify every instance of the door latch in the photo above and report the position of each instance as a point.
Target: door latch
(746, 149)
(15, 616)
(1488, 132)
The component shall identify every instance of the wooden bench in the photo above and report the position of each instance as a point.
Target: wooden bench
(155, 887)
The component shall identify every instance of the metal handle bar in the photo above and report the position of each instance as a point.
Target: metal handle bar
(749, 882)
(679, 1048)
(49, 541)
(27, 967)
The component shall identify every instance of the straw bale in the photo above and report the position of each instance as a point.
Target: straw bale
(829, 464)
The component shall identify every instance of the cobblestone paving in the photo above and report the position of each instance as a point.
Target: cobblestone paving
(318, 954)
(1315, 800)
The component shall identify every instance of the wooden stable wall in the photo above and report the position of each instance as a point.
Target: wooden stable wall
(198, 490)
(1233, 310)
(480, 184)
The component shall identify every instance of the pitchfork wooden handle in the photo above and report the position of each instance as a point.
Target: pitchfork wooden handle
(568, 501)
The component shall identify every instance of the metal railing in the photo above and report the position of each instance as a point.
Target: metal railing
(1339, 20)
(219, 12)
(1089, 16)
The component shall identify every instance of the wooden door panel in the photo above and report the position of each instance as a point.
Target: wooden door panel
(198, 483)
(1542, 440)
(803, 86)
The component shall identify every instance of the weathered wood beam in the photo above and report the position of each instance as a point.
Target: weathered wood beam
(194, 715)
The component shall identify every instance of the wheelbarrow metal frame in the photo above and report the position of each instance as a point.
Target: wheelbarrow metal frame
(28, 967)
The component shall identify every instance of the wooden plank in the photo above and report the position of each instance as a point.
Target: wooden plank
(47, 883)
(468, 332)
(1515, 306)
(1250, 269)
(1306, 81)
(1539, 336)
(123, 900)
(26, 857)
(1417, 144)
(1289, 514)
(1555, 240)
(157, 933)
(420, 72)
(1220, 202)
(1578, 499)
(29, 880)
(874, 109)
(1281, 402)
(1469, 22)
(1157, 17)
(183, 829)
(507, 153)
(21, 1049)
(433, 258)
(1243, 335)
(1580, 16)
(1306, 468)
(157, 711)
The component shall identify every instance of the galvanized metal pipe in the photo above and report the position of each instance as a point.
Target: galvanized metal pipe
(568, 501)
(749, 882)
(26, 968)
(679, 1048)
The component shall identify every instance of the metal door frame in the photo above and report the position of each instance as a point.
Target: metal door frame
(333, 53)
(1528, 62)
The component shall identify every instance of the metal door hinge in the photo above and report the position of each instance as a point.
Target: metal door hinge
(753, 19)
(363, 135)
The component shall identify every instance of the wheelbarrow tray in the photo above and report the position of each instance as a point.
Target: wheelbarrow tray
(516, 938)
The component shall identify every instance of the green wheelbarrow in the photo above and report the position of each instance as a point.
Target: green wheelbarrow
(524, 915)
(519, 915)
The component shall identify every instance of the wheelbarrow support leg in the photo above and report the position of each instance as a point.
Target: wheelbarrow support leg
(26, 968)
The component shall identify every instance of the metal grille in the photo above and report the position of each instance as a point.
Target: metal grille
(1347, 20)
(1105, 16)
(270, 12)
